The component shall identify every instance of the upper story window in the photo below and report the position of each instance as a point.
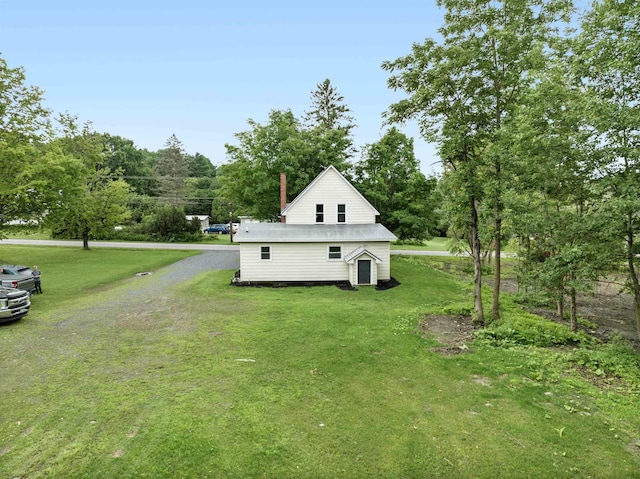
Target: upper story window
(335, 252)
(319, 213)
(265, 253)
(342, 213)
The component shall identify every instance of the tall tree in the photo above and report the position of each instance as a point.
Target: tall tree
(251, 177)
(123, 158)
(328, 110)
(606, 62)
(389, 177)
(331, 123)
(172, 167)
(462, 90)
(550, 206)
(96, 202)
(24, 125)
(199, 166)
(22, 114)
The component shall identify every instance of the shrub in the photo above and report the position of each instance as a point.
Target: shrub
(616, 359)
(524, 329)
(169, 223)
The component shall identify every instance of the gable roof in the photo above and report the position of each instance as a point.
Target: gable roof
(359, 251)
(316, 180)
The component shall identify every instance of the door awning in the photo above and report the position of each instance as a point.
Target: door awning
(358, 252)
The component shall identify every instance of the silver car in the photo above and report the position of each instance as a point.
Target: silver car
(14, 304)
(17, 277)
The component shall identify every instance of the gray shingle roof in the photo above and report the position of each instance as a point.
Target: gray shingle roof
(287, 233)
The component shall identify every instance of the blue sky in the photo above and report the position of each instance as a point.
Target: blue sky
(146, 69)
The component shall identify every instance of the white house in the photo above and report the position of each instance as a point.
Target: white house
(328, 234)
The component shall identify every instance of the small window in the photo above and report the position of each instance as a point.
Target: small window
(319, 213)
(342, 213)
(265, 252)
(335, 252)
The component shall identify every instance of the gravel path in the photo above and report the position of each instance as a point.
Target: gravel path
(163, 281)
(189, 267)
(145, 294)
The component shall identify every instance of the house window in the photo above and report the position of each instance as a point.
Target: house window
(319, 213)
(342, 213)
(335, 252)
(265, 253)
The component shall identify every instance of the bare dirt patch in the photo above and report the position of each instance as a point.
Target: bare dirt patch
(609, 306)
(453, 332)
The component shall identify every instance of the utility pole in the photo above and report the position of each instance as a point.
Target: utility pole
(231, 221)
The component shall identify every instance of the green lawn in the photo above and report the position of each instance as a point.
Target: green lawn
(69, 272)
(434, 244)
(227, 382)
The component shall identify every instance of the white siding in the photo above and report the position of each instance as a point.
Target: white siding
(331, 190)
(305, 262)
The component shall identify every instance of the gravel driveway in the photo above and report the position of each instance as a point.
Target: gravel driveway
(146, 294)
(189, 267)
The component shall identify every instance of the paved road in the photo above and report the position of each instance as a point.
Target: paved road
(189, 246)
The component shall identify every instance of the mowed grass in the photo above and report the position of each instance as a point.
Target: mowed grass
(68, 272)
(434, 244)
(226, 382)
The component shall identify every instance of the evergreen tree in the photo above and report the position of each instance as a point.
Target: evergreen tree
(330, 122)
(171, 166)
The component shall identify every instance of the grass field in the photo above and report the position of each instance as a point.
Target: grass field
(227, 382)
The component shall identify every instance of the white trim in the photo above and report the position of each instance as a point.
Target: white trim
(358, 252)
(338, 222)
(317, 213)
(372, 270)
(329, 246)
(270, 253)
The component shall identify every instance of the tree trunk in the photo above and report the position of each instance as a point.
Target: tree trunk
(633, 273)
(495, 311)
(636, 301)
(560, 305)
(574, 312)
(85, 240)
(477, 264)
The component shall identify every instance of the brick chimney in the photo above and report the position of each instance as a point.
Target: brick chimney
(283, 195)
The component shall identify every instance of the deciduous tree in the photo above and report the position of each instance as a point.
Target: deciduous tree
(461, 91)
(389, 177)
(24, 126)
(606, 62)
(95, 202)
(251, 177)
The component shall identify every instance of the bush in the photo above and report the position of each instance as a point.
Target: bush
(130, 235)
(524, 329)
(617, 359)
(409, 241)
(170, 224)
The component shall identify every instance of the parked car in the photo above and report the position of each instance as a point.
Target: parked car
(14, 304)
(18, 277)
(217, 229)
